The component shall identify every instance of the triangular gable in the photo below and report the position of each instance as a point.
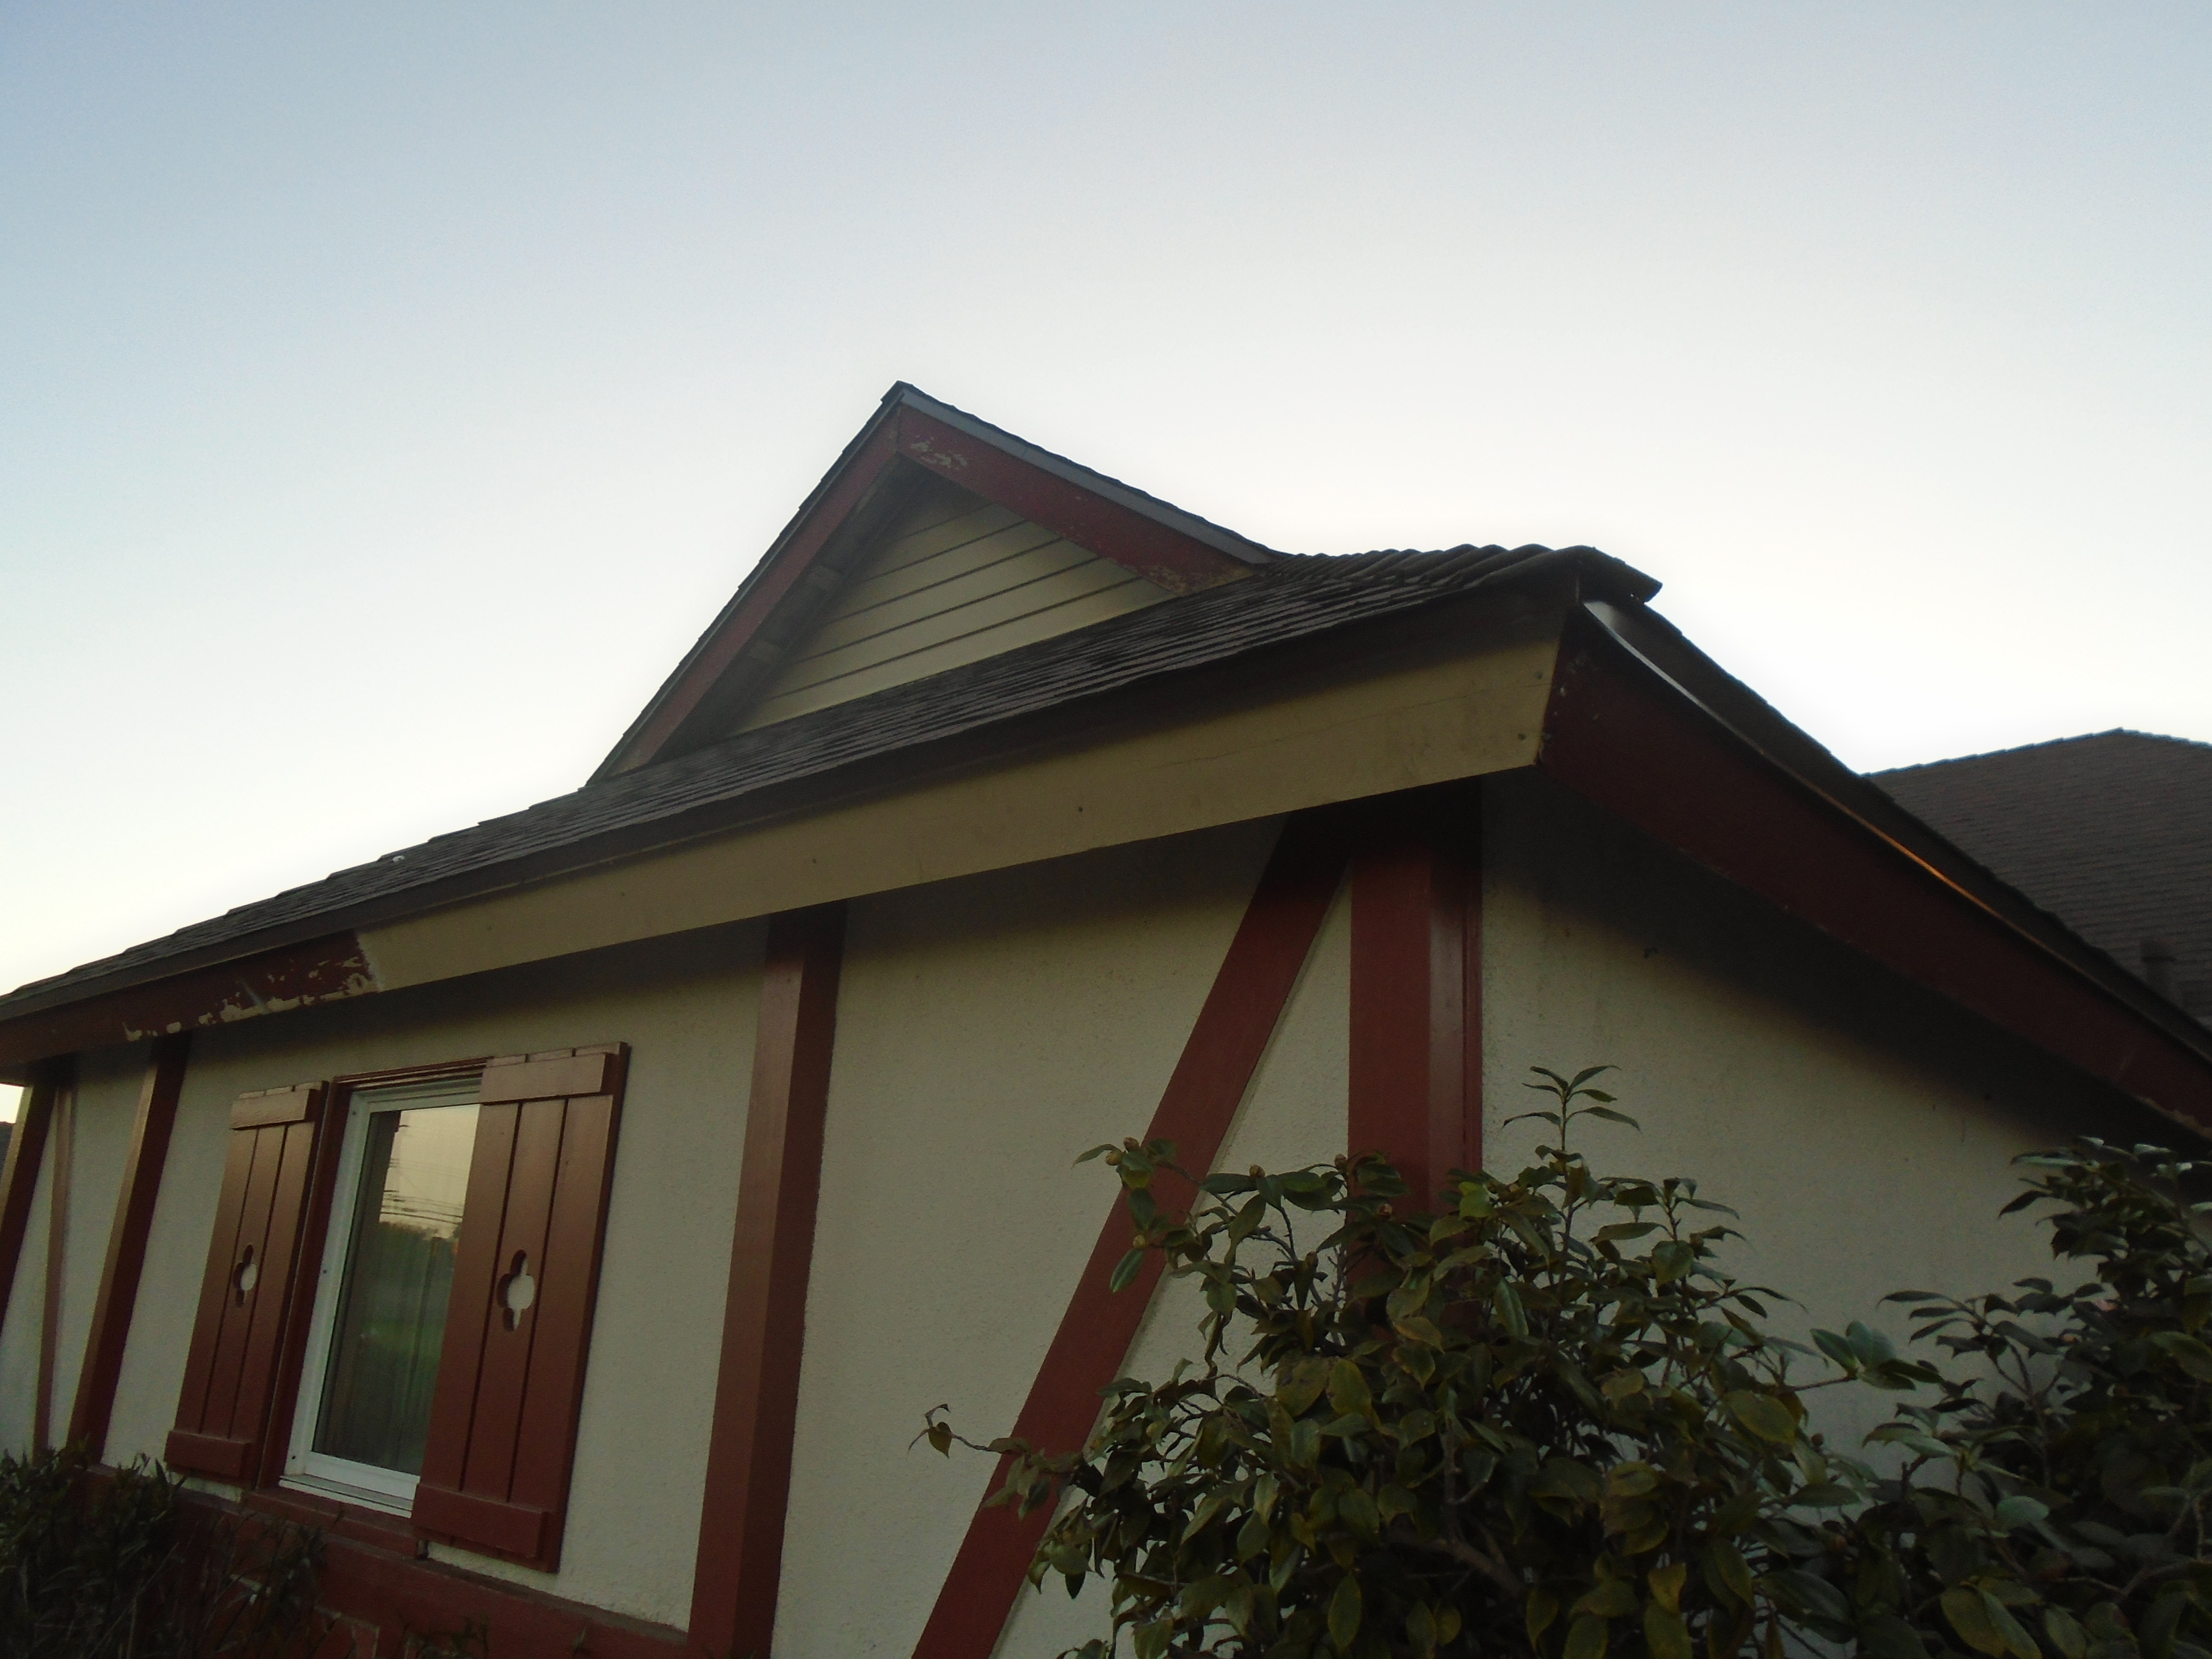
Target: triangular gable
(956, 579)
(916, 465)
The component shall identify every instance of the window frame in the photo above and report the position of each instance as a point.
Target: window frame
(273, 1476)
(303, 1469)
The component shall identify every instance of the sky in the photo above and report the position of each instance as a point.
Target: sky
(389, 395)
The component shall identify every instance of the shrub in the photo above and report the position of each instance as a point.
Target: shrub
(1543, 1421)
(124, 1567)
(2054, 1499)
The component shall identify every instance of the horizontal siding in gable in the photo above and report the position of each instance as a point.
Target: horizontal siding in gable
(944, 591)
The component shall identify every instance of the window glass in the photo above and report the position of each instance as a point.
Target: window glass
(382, 1361)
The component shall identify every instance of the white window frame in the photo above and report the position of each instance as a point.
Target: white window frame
(305, 1468)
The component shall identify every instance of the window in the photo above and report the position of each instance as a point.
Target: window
(396, 1308)
(379, 1313)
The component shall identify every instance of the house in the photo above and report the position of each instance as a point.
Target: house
(577, 1213)
(2111, 833)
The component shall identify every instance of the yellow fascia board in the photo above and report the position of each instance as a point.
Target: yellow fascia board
(1422, 715)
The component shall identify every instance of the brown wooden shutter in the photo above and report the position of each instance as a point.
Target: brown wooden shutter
(222, 1416)
(511, 1377)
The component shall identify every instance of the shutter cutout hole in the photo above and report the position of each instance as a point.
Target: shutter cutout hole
(245, 1276)
(517, 1291)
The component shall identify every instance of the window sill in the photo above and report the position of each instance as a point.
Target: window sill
(356, 1522)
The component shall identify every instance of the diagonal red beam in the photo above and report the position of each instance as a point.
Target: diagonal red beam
(126, 1243)
(19, 1177)
(748, 1485)
(1239, 1015)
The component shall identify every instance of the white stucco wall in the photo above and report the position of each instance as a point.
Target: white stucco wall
(106, 1099)
(19, 1333)
(1293, 1115)
(1863, 1127)
(990, 1030)
(688, 1008)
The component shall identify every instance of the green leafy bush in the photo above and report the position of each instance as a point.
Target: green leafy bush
(126, 1568)
(1543, 1421)
(2054, 1501)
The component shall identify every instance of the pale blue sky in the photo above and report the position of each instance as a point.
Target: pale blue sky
(389, 394)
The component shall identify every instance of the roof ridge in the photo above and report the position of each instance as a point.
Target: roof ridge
(2047, 743)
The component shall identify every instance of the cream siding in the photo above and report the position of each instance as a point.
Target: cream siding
(943, 591)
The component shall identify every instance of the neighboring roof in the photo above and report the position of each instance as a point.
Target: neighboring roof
(2111, 833)
(1291, 600)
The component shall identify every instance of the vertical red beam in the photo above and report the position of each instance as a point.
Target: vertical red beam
(19, 1177)
(126, 1244)
(1237, 1018)
(63, 1134)
(756, 1395)
(1416, 1035)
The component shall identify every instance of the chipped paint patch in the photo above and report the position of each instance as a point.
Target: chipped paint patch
(274, 982)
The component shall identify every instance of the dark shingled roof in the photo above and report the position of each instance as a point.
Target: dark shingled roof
(1291, 599)
(2111, 833)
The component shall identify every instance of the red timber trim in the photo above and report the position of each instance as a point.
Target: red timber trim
(1416, 1028)
(1158, 552)
(294, 976)
(63, 1141)
(1239, 1015)
(1626, 739)
(19, 1177)
(784, 567)
(757, 1393)
(126, 1244)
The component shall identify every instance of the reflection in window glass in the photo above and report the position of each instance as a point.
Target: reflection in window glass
(399, 1276)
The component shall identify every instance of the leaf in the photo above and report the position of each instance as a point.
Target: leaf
(1871, 1346)
(1667, 1585)
(1126, 1271)
(1510, 1312)
(1302, 1385)
(1344, 1613)
(1728, 1573)
(1967, 1615)
(2017, 1641)
(1542, 1608)
(1613, 1598)
(1665, 1635)
(1885, 1636)
(2019, 1511)
(1764, 1415)
(1837, 1349)
(1586, 1638)
(2064, 1633)
(1347, 1390)
(1672, 1261)
(1823, 1495)
(2192, 1355)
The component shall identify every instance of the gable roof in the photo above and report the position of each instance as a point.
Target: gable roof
(1291, 601)
(910, 440)
(2112, 833)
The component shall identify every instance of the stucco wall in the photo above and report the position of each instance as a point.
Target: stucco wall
(989, 1030)
(688, 1008)
(1863, 1127)
(107, 1098)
